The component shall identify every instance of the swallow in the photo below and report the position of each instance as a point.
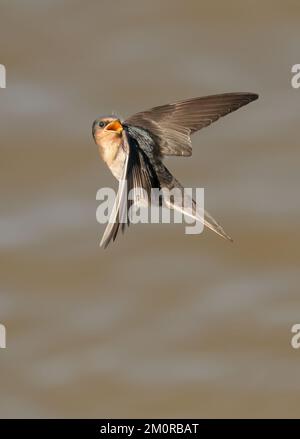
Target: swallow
(134, 150)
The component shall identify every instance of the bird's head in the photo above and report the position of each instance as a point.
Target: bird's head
(107, 133)
(107, 128)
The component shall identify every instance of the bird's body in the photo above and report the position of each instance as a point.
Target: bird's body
(134, 149)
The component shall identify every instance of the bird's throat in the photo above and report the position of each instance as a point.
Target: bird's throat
(113, 155)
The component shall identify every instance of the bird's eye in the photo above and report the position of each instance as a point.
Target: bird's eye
(101, 124)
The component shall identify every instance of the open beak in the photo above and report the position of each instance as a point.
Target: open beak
(115, 125)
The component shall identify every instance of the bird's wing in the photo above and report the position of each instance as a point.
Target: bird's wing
(171, 125)
(139, 177)
(118, 211)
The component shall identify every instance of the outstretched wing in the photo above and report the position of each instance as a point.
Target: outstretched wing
(137, 179)
(171, 125)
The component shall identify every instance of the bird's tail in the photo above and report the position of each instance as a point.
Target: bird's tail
(213, 225)
(196, 212)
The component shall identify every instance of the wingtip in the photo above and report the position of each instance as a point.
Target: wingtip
(253, 96)
(249, 95)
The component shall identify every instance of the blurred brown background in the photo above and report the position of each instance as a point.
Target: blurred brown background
(161, 324)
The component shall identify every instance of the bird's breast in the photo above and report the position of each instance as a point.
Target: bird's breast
(113, 155)
(115, 160)
(117, 165)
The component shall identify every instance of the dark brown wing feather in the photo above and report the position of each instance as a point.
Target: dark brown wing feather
(171, 125)
(138, 174)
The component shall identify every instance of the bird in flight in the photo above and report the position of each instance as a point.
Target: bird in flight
(134, 149)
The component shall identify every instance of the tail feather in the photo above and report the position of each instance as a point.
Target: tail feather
(168, 181)
(213, 225)
(197, 213)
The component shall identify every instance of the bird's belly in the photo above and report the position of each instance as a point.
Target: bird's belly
(117, 165)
